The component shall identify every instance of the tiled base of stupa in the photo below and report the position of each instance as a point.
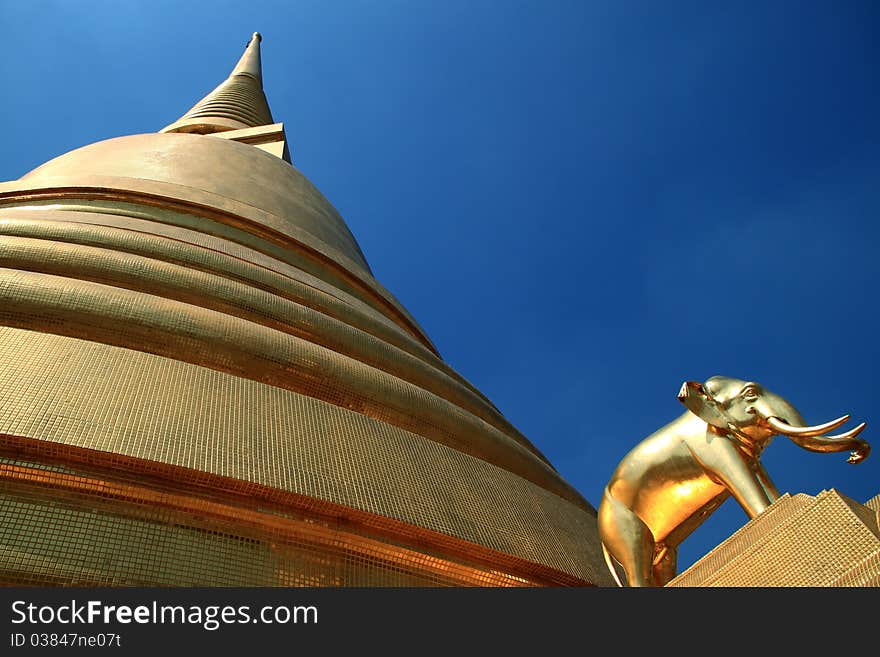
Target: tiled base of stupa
(801, 540)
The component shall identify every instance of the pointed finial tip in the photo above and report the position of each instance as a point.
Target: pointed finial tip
(257, 36)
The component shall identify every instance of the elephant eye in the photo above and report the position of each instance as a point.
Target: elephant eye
(750, 393)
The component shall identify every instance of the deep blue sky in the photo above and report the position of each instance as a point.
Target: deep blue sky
(583, 203)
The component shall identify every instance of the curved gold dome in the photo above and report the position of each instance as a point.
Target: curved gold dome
(201, 374)
(229, 169)
(257, 198)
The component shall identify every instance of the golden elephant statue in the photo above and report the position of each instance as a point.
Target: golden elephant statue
(667, 485)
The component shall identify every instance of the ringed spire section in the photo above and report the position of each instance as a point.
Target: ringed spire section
(237, 103)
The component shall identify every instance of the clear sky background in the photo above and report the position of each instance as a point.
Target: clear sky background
(583, 203)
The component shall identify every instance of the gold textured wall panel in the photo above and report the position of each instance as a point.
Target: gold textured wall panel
(94, 534)
(34, 246)
(232, 298)
(107, 532)
(198, 251)
(865, 573)
(115, 400)
(802, 541)
(219, 341)
(304, 253)
(218, 216)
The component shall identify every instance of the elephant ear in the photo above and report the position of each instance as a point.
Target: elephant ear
(698, 401)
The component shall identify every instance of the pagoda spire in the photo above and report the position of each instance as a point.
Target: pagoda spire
(238, 102)
(250, 63)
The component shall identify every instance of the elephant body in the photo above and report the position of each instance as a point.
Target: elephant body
(668, 484)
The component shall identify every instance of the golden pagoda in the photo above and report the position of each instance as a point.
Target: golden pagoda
(202, 384)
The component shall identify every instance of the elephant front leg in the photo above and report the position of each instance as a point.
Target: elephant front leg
(766, 483)
(744, 478)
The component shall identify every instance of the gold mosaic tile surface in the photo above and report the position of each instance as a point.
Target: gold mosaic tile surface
(800, 541)
(175, 282)
(106, 398)
(100, 533)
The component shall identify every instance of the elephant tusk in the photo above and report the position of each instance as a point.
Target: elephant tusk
(852, 433)
(781, 426)
(836, 443)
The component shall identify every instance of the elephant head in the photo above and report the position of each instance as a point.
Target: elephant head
(754, 415)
